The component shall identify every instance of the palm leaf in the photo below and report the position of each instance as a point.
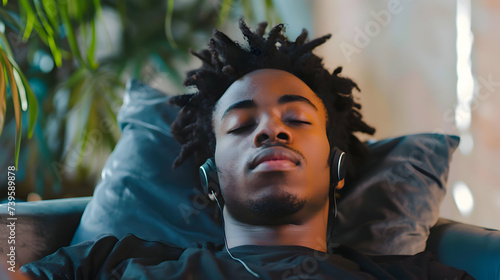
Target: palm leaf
(3, 95)
(271, 15)
(7, 17)
(26, 95)
(91, 50)
(29, 97)
(17, 105)
(50, 8)
(168, 23)
(32, 106)
(73, 44)
(248, 11)
(32, 22)
(21, 90)
(56, 52)
(85, 118)
(30, 18)
(6, 46)
(224, 11)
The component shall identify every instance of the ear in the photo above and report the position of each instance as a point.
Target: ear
(340, 184)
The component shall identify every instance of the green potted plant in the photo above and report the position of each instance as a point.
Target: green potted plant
(63, 68)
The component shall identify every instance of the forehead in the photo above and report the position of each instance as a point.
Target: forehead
(264, 87)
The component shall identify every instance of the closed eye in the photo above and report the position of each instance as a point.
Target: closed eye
(299, 122)
(241, 129)
(244, 128)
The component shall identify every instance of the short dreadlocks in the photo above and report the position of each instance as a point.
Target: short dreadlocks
(225, 61)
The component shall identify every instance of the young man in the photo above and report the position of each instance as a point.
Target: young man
(273, 123)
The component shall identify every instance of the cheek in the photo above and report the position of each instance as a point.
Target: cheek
(227, 153)
(319, 152)
(229, 159)
(225, 173)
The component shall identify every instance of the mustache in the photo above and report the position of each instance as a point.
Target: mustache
(271, 145)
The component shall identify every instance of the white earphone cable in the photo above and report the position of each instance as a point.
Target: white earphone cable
(225, 241)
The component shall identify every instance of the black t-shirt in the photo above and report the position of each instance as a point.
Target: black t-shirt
(134, 258)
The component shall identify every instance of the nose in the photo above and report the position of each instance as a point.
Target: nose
(272, 130)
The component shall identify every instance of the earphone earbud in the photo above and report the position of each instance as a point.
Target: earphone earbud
(338, 171)
(337, 166)
(209, 178)
(212, 196)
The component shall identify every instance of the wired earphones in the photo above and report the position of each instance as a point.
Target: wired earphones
(225, 241)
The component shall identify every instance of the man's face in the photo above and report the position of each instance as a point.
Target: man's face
(272, 149)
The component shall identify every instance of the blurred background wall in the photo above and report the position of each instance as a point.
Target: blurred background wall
(427, 66)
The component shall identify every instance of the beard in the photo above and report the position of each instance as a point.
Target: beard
(267, 210)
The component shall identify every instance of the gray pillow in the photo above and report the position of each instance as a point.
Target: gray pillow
(390, 209)
(395, 199)
(139, 192)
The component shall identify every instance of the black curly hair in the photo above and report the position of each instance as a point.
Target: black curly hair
(225, 61)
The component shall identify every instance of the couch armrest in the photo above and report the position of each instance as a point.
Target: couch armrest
(467, 247)
(41, 227)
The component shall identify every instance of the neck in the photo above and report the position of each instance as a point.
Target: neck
(311, 233)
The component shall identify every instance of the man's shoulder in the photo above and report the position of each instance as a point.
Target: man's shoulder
(100, 255)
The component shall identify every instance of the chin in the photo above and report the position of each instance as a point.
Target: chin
(270, 209)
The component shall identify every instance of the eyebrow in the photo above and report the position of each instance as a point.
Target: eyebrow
(287, 98)
(239, 105)
(295, 98)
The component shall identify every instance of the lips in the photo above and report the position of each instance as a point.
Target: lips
(274, 154)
